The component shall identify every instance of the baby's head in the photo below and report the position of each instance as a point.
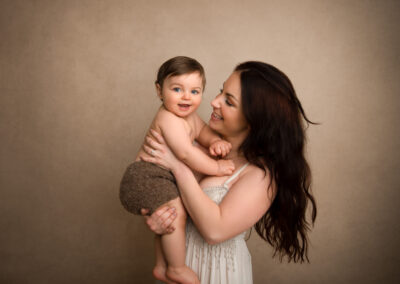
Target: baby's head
(180, 84)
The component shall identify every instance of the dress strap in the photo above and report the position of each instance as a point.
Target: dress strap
(232, 177)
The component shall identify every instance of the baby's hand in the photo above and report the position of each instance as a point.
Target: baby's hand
(225, 167)
(220, 148)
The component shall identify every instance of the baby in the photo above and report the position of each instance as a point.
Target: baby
(180, 84)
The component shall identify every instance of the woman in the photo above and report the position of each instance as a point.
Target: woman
(258, 112)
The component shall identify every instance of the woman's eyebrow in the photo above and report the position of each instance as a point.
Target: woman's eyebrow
(231, 96)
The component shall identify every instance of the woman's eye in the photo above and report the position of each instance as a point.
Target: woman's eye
(177, 89)
(221, 91)
(228, 102)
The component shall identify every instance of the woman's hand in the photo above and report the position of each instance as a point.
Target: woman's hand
(159, 152)
(160, 222)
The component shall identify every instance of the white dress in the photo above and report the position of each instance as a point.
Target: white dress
(228, 262)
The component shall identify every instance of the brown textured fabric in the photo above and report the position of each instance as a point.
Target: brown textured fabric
(145, 185)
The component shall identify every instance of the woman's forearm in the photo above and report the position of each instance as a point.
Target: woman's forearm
(205, 213)
(197, 160)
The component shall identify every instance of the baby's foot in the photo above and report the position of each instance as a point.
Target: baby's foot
(182, 275)
(159, 272)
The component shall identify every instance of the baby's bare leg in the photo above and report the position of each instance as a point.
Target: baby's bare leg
(160, 270)
(174, 248)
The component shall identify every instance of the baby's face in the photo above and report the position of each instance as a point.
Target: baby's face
(182, 94)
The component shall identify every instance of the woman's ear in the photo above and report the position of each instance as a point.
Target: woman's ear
(158, 90)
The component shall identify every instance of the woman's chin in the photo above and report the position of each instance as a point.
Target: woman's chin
(213, 124)
(217, 127)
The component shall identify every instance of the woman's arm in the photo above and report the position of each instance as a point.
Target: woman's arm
(245, 203)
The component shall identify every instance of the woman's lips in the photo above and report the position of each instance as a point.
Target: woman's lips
(215, 116)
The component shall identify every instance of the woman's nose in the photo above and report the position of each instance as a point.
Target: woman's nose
(215, 102)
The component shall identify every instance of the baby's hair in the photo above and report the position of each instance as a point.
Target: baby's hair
(179, 65)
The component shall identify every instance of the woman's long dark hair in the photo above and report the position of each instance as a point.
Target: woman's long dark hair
(276, 143)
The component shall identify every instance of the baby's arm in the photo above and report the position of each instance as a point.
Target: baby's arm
(177, 138)
(215, 144)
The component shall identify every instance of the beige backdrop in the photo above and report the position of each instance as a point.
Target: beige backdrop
(77, 96)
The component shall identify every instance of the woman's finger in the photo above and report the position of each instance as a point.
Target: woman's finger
(144, 211)
(150, 151)
(157, 136)
(161, 211)
(162, 215)
(153, 143)
(168, 221)
(163, 219)
(148, 159)
(153, 160)
(154, 222)
(166, 213)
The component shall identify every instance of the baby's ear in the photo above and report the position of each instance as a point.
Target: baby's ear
(158, 90)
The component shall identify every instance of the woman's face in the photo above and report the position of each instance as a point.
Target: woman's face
(227, 117)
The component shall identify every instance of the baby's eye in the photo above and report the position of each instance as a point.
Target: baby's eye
(195, 92)
(176, 89)
(221, 91)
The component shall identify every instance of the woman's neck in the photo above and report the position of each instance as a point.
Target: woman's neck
(235, 155)
(238, 161)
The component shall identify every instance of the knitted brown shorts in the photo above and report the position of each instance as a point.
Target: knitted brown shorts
(145, 185)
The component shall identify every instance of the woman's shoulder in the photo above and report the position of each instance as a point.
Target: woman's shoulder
(251, 191)
(251, 171)
(254, 177)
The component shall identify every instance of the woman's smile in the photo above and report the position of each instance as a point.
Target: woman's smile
(216, 117)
